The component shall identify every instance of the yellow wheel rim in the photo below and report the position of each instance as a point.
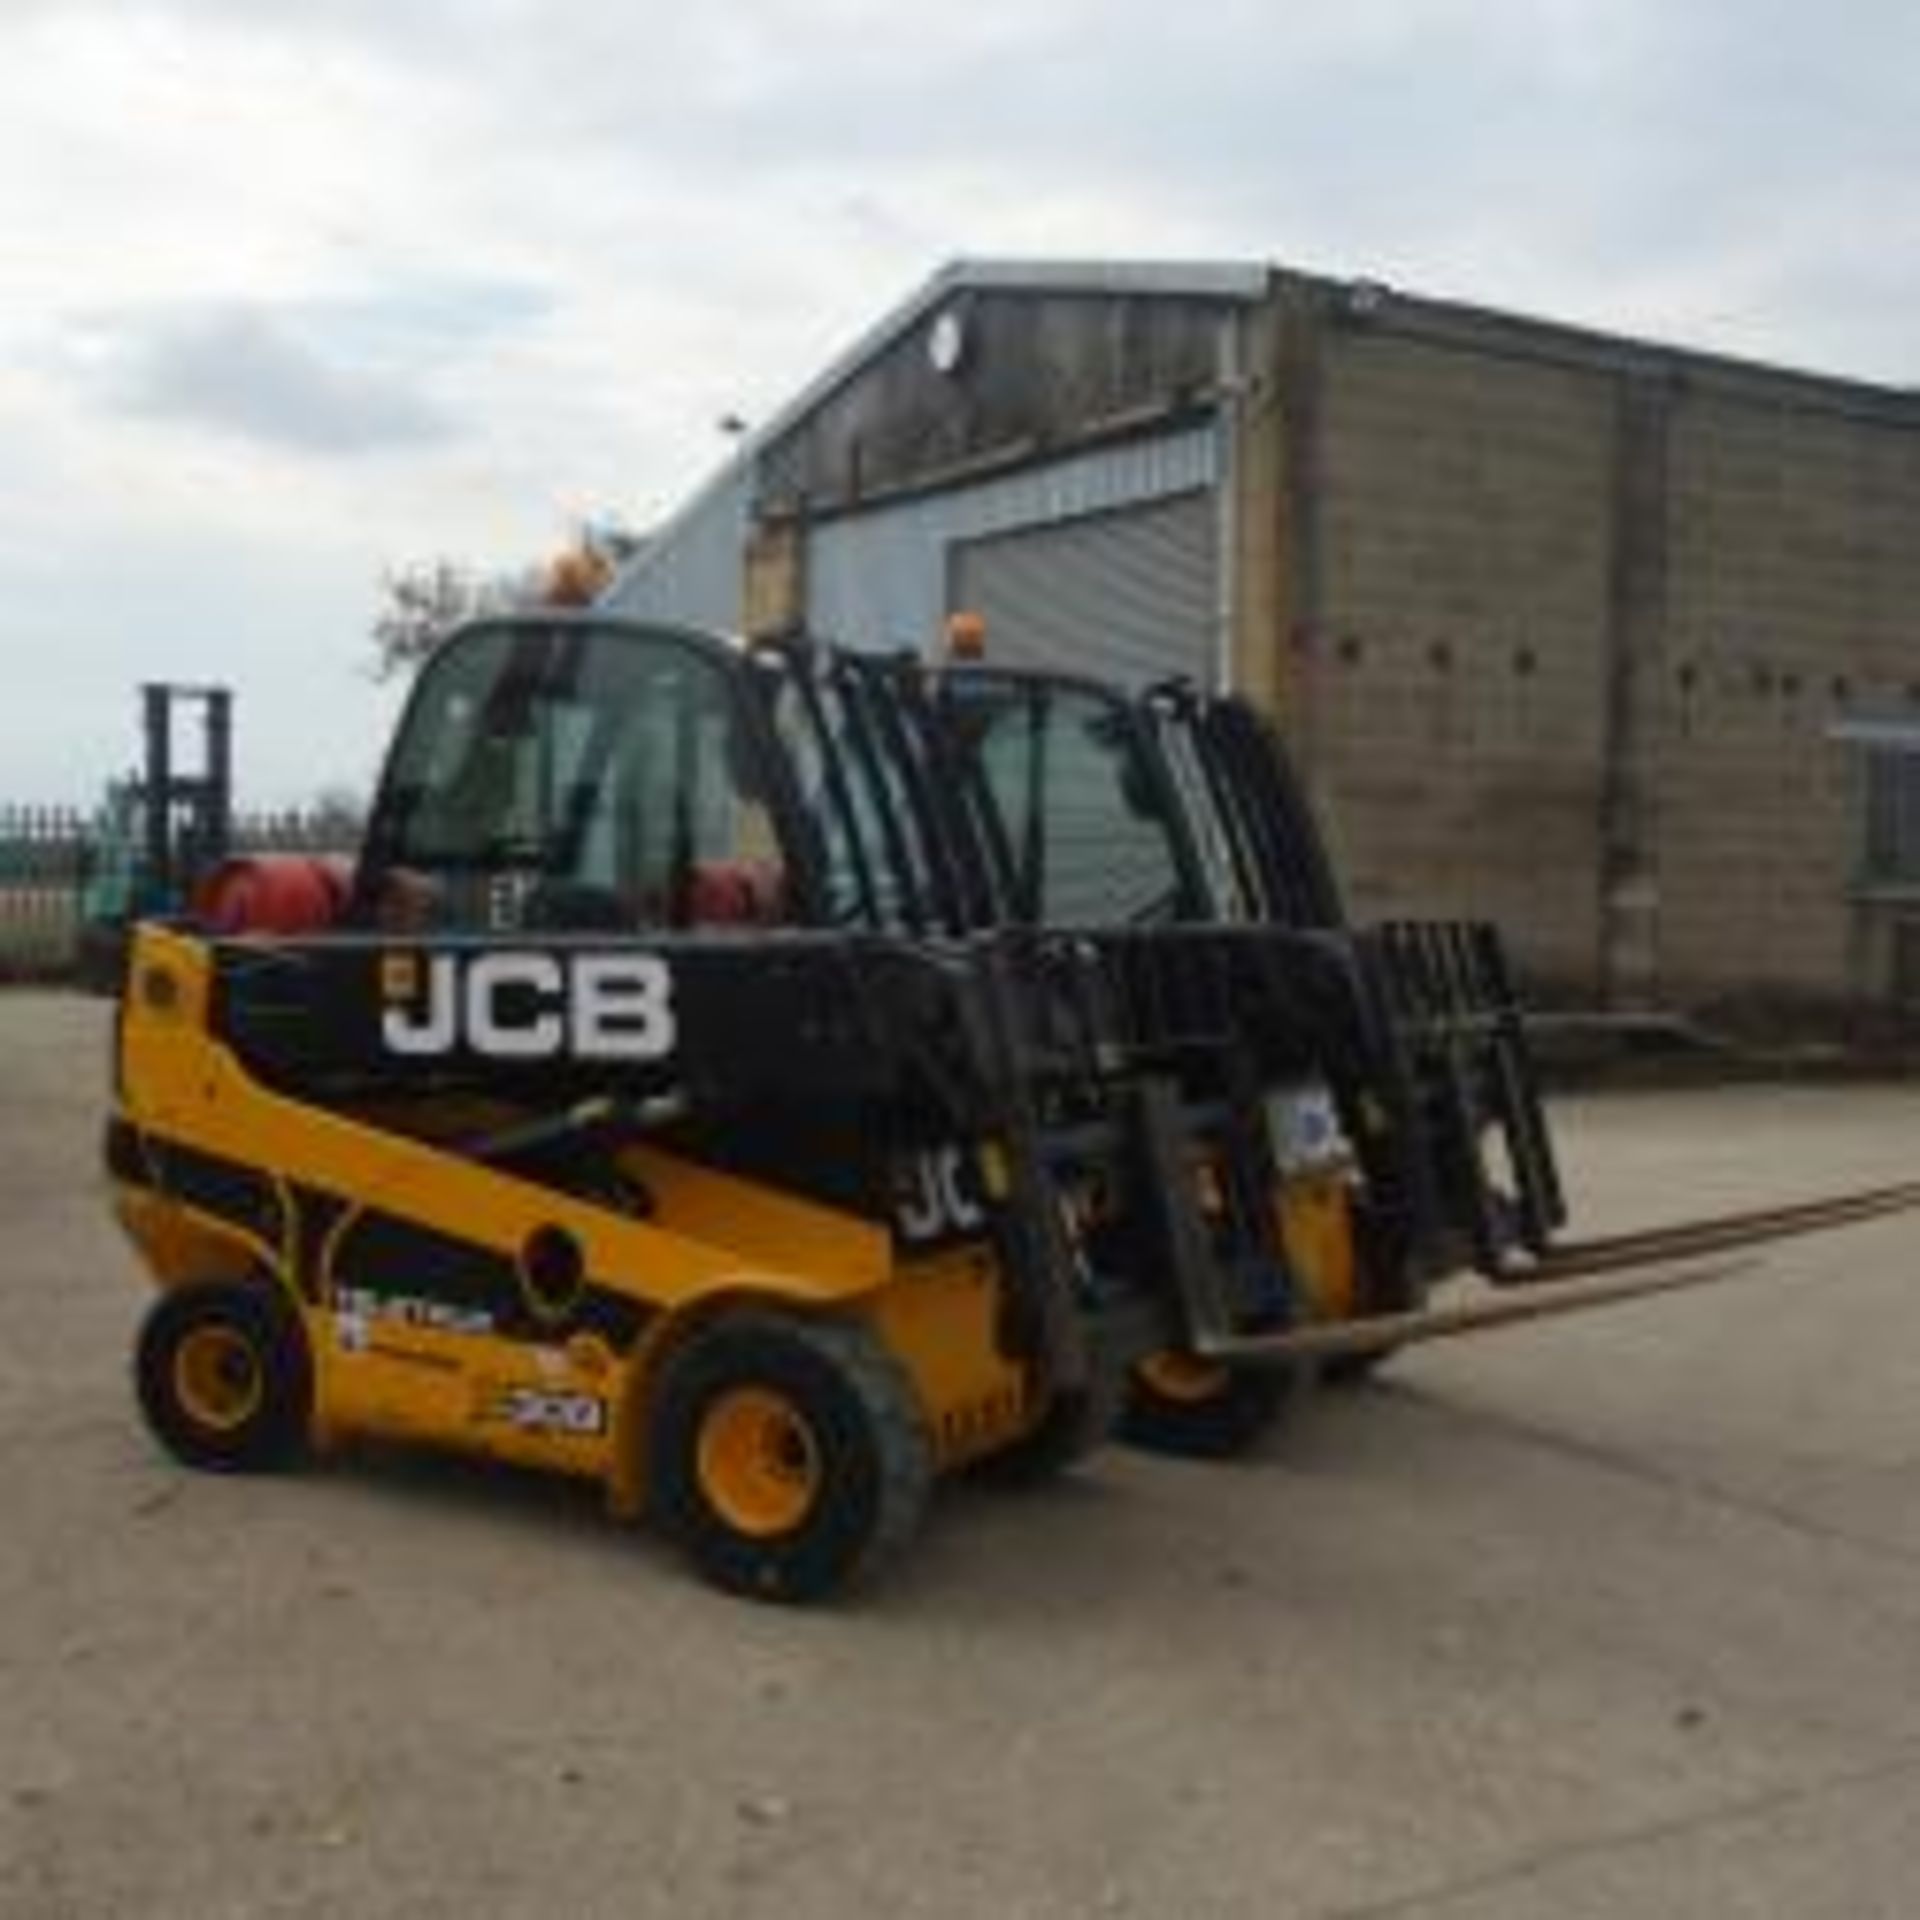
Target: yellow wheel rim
(1174, 1375)
(758, 1461)
(217, 1378)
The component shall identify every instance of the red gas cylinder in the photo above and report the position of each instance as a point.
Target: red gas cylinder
(734, 893)
(282, 893)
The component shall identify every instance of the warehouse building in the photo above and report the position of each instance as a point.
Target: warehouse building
(1615, 643)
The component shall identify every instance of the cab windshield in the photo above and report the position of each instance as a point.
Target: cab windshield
(1085, 823)
(571, 776)
(970, 798)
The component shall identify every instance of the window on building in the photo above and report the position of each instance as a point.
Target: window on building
(1906, 964)
(1893, 816)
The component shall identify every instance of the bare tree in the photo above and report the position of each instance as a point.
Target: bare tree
(422, 603)
(338, 812)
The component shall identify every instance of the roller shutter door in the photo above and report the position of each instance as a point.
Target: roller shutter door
(1130, 595)
(884, 576)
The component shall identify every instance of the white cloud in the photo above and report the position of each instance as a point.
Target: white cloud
(242, 369)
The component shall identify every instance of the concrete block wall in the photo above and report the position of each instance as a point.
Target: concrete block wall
(1447, 686)
(1568, 626)
(1793, 597)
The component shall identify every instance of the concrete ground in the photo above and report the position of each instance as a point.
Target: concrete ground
(1614, 1616)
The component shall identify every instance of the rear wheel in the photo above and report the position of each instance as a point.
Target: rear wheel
(789, 1456)
(1178, 1403)
(224, 1376)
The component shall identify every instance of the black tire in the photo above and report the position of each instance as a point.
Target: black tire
(868, 1467)
(1214, 1425)
(224, 1376)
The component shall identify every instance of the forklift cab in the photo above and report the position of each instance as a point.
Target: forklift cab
(580, 774)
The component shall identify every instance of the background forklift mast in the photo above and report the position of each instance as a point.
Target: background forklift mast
(185, 814)
(164, 828)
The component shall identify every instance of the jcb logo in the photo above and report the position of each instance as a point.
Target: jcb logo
(528, 1006)
(935, 1196)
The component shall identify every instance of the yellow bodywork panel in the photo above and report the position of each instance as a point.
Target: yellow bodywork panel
(764, 1226)
(179, 1081)
(180, 1245)
(564, 1399)
(937, 1319)
(537, 1404)
(1316, 1227)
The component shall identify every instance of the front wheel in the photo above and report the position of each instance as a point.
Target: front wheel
(1180, 1404)
(224, 1376)
(790, 1456)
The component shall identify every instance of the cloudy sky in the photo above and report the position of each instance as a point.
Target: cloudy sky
(293, 291)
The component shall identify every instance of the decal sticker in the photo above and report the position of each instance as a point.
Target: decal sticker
(510, 1005)
(1306, 1128)
(936, 1196)
(538, 1410)
(354, 1308)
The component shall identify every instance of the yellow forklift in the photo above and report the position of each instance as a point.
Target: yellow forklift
(587, 1138)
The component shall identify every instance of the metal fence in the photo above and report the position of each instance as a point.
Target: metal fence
(46, 861)
(60, 867)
